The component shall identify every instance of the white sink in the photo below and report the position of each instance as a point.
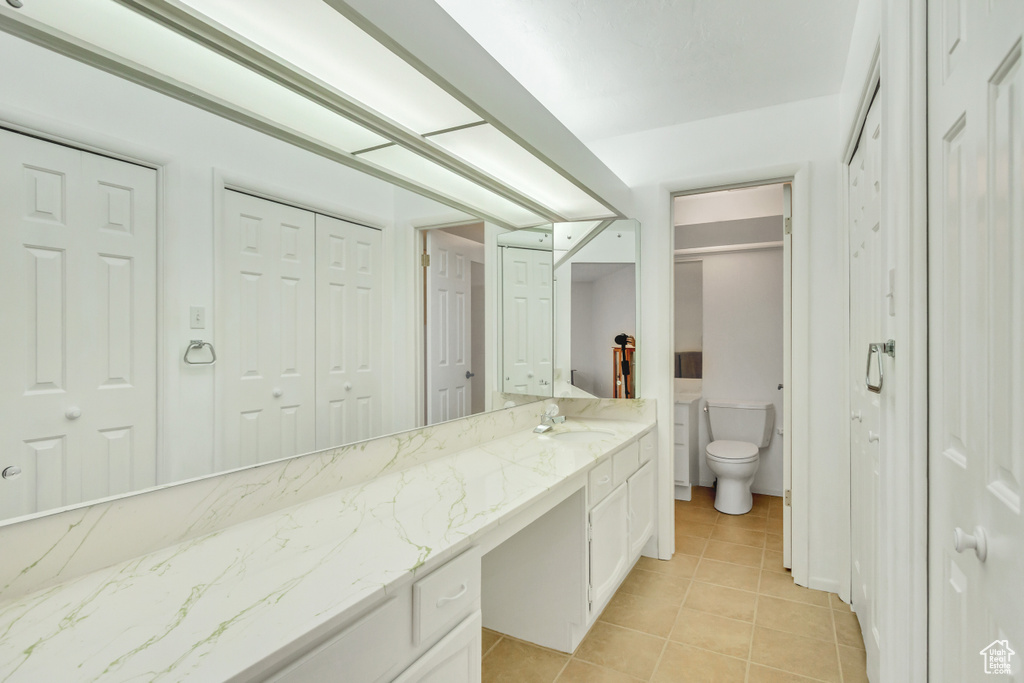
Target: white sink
(582, 436)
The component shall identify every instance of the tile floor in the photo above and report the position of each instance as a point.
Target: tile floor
(723, 609)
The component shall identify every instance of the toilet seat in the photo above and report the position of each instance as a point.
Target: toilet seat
(732, 451)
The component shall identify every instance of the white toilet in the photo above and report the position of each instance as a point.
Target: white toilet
(737, 430)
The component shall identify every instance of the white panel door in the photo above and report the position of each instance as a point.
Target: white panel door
(449, 327)
(348, 332)
(641, 508)
(976, 336)
(868, 311)
(609, 546)
(527, 310)
(266, 332)
(78, 377)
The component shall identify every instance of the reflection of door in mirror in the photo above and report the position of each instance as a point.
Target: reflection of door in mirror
(527, 310)
(454, 321)
(300, 331)
(603, 306)
(78, 381)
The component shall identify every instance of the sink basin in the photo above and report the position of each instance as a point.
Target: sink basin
(582, 436)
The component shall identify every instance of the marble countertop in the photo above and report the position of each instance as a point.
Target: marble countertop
(206, 609)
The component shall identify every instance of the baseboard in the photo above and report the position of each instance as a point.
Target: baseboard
(820, 584)
(684, 492)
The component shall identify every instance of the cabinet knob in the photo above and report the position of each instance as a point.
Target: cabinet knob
(277, 392)
(73, 413)
(977, 541)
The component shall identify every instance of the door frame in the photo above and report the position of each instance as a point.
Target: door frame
(796, 373)
(898, 70)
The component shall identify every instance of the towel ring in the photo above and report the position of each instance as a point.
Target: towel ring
(199, 344)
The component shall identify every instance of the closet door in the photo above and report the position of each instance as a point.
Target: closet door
(527, 310)
(348, 332)
(266, 332)
(78, 339)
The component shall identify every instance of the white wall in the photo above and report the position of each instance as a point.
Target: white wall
(688, 316)
(56, 96)
(743, 346)
(746, 147)
(601, 309)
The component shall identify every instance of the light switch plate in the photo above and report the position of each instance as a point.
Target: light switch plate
(197, 317)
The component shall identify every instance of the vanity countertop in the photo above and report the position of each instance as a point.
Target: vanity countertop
(207, 608)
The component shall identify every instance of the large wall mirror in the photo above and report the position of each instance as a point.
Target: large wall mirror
(597, 308)
(187, 293)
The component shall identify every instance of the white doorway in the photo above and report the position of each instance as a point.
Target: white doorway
(78, 381)
(454, 313)
(976, 339)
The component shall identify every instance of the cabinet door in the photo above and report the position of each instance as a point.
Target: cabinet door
(641, 508)
(609, 546)
(455, 659)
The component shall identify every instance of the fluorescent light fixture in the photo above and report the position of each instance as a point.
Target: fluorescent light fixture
(496, 154)
(406, 164)
(314, 38)
(117, 30)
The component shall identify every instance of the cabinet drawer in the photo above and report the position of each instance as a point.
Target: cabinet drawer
(682, 412)
(625, 463)
(647, 447)
(445, 596)
(599, 482)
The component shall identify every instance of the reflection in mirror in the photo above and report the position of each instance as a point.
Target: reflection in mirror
(136, 226)
(527, 311)
(596, 309)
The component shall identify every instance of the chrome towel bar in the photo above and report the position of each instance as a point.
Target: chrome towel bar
(199, 344)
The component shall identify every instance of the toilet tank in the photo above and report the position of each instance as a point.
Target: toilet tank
(741, 421)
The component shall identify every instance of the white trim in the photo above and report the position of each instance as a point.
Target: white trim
(683, 254)
(799, 175)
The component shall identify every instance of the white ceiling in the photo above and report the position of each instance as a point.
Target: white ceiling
(610, 67)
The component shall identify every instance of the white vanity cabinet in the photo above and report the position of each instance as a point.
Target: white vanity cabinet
(620, 522)
(686, 441)
(428, 631)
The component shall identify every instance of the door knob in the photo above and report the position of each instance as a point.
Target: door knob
(73, 413)
(470, 374)
(530, 374)
(277, 392)
(348, 386)
(11, 472)
(855, 415)
(978, 541)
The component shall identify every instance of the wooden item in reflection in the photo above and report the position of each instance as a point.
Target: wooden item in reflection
(622, 387)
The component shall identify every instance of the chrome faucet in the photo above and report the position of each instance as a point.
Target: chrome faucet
(550, 417)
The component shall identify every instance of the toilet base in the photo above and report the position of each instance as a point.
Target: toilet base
(733, 496)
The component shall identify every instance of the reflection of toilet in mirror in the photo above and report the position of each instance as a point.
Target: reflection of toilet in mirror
(737, 430)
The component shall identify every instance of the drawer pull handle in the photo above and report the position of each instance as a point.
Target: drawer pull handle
(462, 591)
(603, 480)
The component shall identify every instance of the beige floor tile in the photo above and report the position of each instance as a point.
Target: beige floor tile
(690, 545)
(854, 664)
(782, 586)
(682, 663)
(680, 565)
(731, 552)
(848, 629)
(728, 574)
(739, 536)
(795, 617)
(712, 632)
(762, 674)
(837, 603)
(584, 672)
(727, 602)
(761, 506)
(625, 651)
(489, 639)
(773, 562)
(665, 587)
(775, 525)
(775, 503)
(743, 522)
(773, 542)
(512, 661)
(796, 654)
(702, 495)
(695, 529)
(696, 514)
(652, 615)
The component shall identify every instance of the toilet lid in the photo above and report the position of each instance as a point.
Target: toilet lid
(732, 450)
